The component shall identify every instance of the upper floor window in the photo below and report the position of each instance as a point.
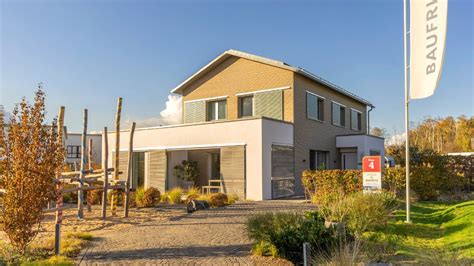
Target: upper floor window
(246, 106)
(356, 120)
(73, 151)
(216, 110)
(338, 114)
(314, 106)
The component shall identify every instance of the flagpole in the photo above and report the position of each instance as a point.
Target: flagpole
(407, 126)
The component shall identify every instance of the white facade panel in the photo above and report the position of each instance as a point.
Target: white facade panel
(255, 134)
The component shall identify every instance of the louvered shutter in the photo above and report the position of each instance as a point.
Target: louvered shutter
(194, 112)
(123, 161)
(157, 170)
(269, 104)
(233, 170)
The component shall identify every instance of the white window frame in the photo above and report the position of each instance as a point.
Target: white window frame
(317, 107)
(216, 109)
(239, 103)
(359, 122)
(332, 114)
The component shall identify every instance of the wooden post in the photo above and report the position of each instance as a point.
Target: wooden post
(59, 186)
(105, 161)
(129, 171)
(89, 166)
(80, 194)
(117, 150)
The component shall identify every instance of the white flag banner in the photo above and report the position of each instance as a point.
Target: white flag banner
(428, 22)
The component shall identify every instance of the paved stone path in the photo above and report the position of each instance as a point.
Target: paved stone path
(211, 237)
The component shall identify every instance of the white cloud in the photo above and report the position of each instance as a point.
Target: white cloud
(171, 115)
(397, 139)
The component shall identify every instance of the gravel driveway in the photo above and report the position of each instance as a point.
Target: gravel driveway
(211, 237)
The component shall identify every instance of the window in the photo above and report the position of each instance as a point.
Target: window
(318, 159)
(216, 110)
(338, 114)
(356, 120)
(246, 106)
(74, 151)
(314, 106)
(283, 180)
(138, 170)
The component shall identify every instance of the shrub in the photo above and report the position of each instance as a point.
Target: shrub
(218, 200)
(187, 170)
(139, 195)
(264, 248)
(359, 212)
(322, 185)
(389, 200)
(379, 247)
(151, 197)
(94, 196)
(174, 196)
(205, 197)
(232, 198)
(193, 193)
(287, 232)
(365, 212)
(393, 180)
(118, 197)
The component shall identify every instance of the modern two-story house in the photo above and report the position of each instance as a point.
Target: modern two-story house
(255, 124)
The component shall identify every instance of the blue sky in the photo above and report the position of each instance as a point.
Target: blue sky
(88, 53)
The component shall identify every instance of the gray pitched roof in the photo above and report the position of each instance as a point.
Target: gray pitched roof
(264, 60)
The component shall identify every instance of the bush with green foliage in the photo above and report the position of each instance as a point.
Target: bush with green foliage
(218, 199)
(379, 247)
(285, 233)
(187, 170)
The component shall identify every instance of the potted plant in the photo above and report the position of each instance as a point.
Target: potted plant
(187, 172)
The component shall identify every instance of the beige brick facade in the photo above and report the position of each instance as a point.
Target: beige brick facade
(238, 75)
(316, 135)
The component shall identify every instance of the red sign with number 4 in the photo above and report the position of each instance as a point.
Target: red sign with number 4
(371, 164)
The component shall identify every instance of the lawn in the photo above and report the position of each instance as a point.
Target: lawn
(438, 231)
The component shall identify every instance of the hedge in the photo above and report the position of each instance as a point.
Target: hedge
(323, 184)
(428, 180)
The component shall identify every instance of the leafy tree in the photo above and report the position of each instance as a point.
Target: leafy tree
(379, 132)
(32, 155)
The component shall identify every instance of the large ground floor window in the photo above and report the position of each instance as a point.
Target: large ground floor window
(138, 170)
(283, 171)
(318, 159)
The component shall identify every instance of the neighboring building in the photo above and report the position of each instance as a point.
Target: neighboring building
(256, 124)
(73, 149)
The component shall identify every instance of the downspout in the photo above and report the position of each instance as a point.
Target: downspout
(368, 118)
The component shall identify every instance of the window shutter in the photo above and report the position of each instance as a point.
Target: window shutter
(194, 112)
(269, 104)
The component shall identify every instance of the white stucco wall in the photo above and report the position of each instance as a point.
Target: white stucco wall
(273, 133)
(256, 134)
(363, 143)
